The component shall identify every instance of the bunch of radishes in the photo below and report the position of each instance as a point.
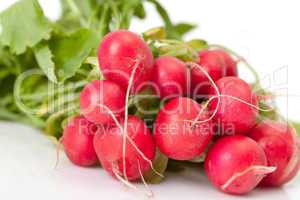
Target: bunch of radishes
(205, 108)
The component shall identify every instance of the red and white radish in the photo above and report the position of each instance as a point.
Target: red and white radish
(279, 142)
(140, 149)
(237, 109)
(78, 139)
(236, 164)
(170, 77)
(230, 63)
(119, 52)
(176, 133)
(100, 94)
(214, 65)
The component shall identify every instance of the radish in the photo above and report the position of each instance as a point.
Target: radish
(140, 149)
(100, 94)
(118, 54)
(236, 164)
(170, 77)
(279, 142)
(78, 139)
(230, 63)
(237, 110)
(176, 133)
(214, 65)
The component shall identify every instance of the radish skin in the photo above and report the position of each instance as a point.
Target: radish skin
(175, 133)
(236, 164)
(98, 94)
(234, 115)
(118, 52)
(279, 142)
(78, 139)
(170, 77)
(214, 65)
(108, 146)
(230, 63)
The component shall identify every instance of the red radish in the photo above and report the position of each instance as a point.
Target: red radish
(140, 149)
(176, 134)
(279, 142)
(100, 94)
(78, 139)
(237, 109)
(119, 53)
(236, 164)
(170, 77)
(214, 65)
(230, 63)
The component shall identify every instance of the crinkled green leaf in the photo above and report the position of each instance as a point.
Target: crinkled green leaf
(267, 105)
(183, 28)
(23, 25)
(157, 33)
(267, 111)
(197, 44)
(71, 51)
(140, 11)
(44, 56)
(53, 125)
(76, 14)
(160, 164)
(181, 51)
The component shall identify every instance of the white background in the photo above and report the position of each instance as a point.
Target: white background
(266, 32)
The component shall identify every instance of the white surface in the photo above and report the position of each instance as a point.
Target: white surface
(265, 32)
(27, 172)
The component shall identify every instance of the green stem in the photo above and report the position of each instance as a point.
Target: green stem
(67, 88)
(104, 21)
(165, 17)
(60, 102)
(116, 14)
(74, 8)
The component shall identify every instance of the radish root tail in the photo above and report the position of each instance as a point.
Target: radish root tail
(195, 65)
(58, 146)
(257, 170)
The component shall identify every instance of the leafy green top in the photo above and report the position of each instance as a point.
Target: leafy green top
(24, 25)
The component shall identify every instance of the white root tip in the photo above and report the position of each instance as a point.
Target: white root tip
(257, 169)
(58, 146)
(149, 193)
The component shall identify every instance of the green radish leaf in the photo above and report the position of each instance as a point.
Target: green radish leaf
(127, 11)
(44, 56)
(267, 105)
(53, 125)
(76, 13)
(160, 164)
(23, 25)
(92, 61)
(70, 52)
(140, 11)
(197, 44)
(157, 33)
(171, 31)
(78, 7)
(269, 113)
(183, 28)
